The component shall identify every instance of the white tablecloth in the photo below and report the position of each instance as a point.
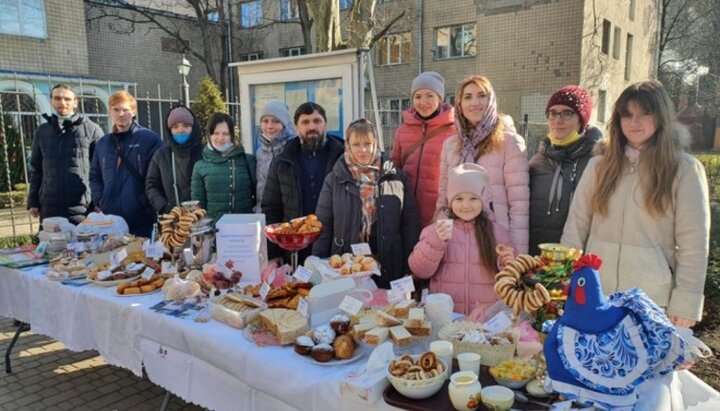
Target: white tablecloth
(211, 364)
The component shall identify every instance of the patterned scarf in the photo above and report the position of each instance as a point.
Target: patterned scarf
(471, 138)
(366, 177)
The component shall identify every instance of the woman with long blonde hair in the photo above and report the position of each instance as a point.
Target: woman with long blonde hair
(642, 205)
(484, 139)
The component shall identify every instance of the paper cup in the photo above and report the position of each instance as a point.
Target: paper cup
(469, 361)
(444, 351)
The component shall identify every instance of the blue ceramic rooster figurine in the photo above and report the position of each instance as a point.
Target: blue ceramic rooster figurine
(601, 349)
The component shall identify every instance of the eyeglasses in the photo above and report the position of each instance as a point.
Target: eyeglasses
(564, 115)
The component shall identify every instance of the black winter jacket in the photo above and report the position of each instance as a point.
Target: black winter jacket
(554, 175)
(161, 182)
(60, 162)
(396, 229)
(282, 199)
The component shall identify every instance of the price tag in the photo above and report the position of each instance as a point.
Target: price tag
(351, 305)
(154, 250)
(395, 296)
(264, 290)
(361, 249)
(303, 274)
(404, 285)
(499, 323)
(40, 249)
(116, 258)
(168, 268)
(272, 275)
(148, 273)
(302, 307)
(77, 247)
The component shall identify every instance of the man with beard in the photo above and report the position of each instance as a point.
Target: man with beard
(297, 174)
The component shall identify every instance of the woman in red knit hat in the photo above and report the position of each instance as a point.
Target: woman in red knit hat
(559, 162)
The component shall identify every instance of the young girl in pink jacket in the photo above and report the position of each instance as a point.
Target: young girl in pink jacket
(459, 254)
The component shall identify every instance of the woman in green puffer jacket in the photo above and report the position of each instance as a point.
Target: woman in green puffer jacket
(224, 180)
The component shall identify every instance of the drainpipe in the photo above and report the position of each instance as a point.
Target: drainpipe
(420, 36)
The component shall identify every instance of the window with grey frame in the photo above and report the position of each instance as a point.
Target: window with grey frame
(345, 4)
(288, 10)
(292, 51)
(23, 18)
(394, 49)
(455, 41)
(251, 13)
(251, 56)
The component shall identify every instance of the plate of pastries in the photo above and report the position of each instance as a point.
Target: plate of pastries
(296, 234)
(287, 296)
(140, 287)
(329, 344)
(353, 265)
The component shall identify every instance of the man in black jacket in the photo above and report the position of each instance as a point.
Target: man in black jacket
(168, 179)
(297, 174)
(60, 160)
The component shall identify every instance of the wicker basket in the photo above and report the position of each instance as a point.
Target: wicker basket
(490, 355)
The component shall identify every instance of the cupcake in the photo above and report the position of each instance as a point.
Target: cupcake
(344, 347)
(323, 335)
(322, 352)
(303, 345)
(340, 324)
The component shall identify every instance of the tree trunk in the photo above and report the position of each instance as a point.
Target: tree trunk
(306, 24)
(361, 23)
(326, 16)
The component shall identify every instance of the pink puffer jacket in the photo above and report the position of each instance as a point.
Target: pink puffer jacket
(509, 180)
(422, 167)
(454, 268)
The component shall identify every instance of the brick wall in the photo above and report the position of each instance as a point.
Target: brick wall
(64, 51)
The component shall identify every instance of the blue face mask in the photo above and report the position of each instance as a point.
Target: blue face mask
(181, 138)
(68, 117)
(224, 148)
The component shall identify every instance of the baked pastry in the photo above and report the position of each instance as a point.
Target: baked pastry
(416, 316)
(377, 335)
(386, 320)
(285, 324)
(322, 352)
(402, 309)
(323, 335)
(366, 324)
(335, 261)
(400, 335)
(423, 329)
(303, 345)
(344, 347)
(340, 324)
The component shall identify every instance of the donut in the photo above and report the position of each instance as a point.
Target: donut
(428, 361)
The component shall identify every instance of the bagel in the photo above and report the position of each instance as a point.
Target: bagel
(543, 293)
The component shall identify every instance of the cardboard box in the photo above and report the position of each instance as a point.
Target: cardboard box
(364, 387)
(241, 240)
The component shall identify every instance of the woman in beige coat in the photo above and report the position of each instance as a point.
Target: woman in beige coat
(643, 206)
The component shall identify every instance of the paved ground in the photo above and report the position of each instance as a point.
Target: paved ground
(22, 222)
(46, 376)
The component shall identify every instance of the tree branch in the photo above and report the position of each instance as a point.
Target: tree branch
(385, 29)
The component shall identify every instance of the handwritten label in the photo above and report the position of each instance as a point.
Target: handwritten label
(351, 305)
(302, 307)
(167, 267)
(118, 257)
(303, 274)
(499, 323)
(404, 285)
(423, 295)
(264, 290)
(361, 249)
(148, 273)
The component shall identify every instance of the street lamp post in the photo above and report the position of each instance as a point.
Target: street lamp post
(184, 70)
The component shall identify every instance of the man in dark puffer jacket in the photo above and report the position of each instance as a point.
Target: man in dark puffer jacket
(60, 160)
(297, 174)
(168, 179)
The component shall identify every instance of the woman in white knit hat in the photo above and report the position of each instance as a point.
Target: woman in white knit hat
(277, 129)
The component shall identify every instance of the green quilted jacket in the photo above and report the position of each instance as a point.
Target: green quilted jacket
(225, 183)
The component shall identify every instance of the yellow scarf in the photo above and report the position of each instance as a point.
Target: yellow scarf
(566, 141)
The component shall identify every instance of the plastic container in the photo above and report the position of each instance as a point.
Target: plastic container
(231, 317)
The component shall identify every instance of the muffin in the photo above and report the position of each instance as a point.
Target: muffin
(340, 324)
(322, 352)
(344, 347)
(303, 345)
(323, 335)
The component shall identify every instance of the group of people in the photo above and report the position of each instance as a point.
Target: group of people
(454, 200)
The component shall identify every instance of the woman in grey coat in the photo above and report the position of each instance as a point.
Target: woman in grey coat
(277, 129)
(366, 199)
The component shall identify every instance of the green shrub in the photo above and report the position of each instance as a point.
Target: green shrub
(711, 162)
(20, 187)
(8, 242)
(209, 100)
(19, 199)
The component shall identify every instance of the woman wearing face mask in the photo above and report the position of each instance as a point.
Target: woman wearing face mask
(484, 139)
(168, 179)
(224, 180)
(277, 129)
(556, 168)
(365, 199)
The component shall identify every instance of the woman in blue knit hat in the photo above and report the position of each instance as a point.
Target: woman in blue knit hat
(277, 129)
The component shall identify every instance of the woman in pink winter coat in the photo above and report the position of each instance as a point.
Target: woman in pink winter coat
(419, 140)
(459, 255)
(482, 138)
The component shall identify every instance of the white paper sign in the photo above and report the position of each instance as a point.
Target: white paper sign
(168, 268)
(361, 249)
(404, 285)
(264, 290)
(395, 296)
(351, 305)
(116, 258)
(303, 274)
(148, 273)
(154, 250)
(499, 323)
(240, 239)
(423, 295)
(302, 307)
